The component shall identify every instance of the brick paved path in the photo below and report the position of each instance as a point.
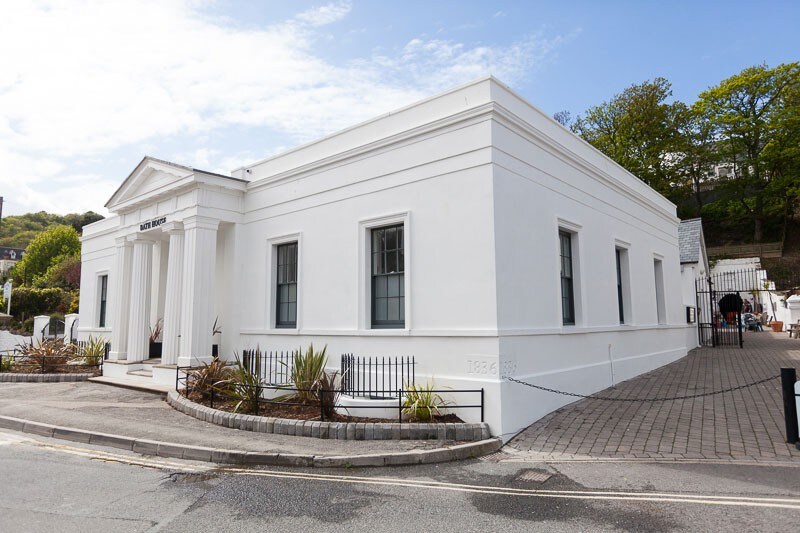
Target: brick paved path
(743, 425)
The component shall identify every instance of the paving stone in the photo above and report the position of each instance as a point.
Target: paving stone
(744, 424)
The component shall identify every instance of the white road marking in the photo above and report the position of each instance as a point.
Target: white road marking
(655, 497)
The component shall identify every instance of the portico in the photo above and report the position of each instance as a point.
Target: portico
(173, 222)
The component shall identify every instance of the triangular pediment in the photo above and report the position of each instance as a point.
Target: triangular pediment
(152, 178)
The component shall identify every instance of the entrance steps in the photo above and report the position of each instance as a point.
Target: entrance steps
(148, 375)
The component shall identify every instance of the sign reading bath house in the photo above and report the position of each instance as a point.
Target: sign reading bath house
(150, 224)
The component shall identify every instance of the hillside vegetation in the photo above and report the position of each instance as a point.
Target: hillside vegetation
(17, 231)
(731, 157)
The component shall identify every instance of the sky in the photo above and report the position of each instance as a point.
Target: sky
(88, 88)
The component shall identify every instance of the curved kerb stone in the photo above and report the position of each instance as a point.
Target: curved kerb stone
(330, 430)
(11, 377)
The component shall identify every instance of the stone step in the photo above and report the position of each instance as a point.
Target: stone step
(144, 372)
(134, 382)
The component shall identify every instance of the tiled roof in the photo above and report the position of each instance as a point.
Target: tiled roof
(690, 235)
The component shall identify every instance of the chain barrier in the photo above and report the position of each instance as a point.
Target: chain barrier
(663, 399)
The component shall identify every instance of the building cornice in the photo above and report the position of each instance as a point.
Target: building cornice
(488, 111)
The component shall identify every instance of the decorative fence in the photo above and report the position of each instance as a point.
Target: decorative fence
(73, 359)
(256, 399)
(272, 368)
(767, 249)
(377, 377)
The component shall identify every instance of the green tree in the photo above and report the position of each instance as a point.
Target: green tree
(17, 231)
(640, 130)
(47, 250)
(755, 122)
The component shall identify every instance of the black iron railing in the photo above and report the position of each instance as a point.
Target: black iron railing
(188, 382)
(377, 377)
(272, 367)
(16, 360)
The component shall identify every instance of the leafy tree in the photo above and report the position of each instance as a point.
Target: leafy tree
(755, 116)
(640, 130)
(563, 117)
(17, 231)
(66, 274)
(45, 251)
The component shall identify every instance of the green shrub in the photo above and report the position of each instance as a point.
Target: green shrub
(327, 392)
(421, 403)
(214, 375)
(30, 302)
(48, 355)
(308, 370)
(243, 387)
(6, 363)
(93, 351)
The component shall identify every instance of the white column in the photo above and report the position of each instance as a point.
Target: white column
(139, 322)
(172, 305)
(70, 322)
(199, 266)
(120, 300)
(39, 324)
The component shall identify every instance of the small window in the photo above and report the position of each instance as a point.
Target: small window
(567, 282)
(388, 277)
(620, 299)
(286, 286)
(661, 309)
(103, 282)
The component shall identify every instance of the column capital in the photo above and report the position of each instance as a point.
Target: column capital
(142, 238)
(200, 222)
(171, 228)
(122, 242)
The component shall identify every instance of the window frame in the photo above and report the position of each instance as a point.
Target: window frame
(363, 274)
(278, 284)
(398, 250)
(623, 249)
(102, 300)
(568, 314)
(660, 289)
(270, 280)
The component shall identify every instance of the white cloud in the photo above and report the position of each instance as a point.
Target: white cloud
(88, 78)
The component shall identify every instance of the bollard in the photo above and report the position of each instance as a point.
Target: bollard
(788, 379)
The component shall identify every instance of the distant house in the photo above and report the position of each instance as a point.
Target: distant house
(9, 257)
(694, 264)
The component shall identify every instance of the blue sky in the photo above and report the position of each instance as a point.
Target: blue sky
(219, 84)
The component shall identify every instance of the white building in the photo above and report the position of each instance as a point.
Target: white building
(694, 264)
(469, 230)
(9, 257)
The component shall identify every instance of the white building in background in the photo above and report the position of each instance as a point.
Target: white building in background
(694, 264)
(469, 230)
(9, 257)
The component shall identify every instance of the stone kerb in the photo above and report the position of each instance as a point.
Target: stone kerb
(11, 377)
(330, 430)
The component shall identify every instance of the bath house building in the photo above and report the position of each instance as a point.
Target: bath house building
(469, 230)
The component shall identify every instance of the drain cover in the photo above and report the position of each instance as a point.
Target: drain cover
(495, 457)
(533, 476)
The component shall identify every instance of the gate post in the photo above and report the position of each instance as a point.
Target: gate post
(788, 379)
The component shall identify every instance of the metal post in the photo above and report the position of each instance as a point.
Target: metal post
(739, 326)
(400, 408)
(481, 404)
(788, 379)
(711, 312)
(322, 404)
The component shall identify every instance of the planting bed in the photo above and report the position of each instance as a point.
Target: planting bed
(345, 428)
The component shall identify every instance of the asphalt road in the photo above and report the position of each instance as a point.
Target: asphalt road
(50, 485)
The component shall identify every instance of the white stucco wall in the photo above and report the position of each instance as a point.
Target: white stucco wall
(482, 181)
(98, 257)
